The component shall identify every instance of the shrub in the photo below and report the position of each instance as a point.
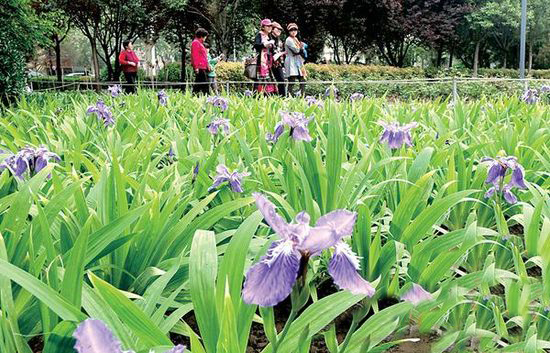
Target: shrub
(19, 31)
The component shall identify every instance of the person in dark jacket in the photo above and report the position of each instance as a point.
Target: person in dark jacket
(264, 47)
(129, 63)
(278, 68)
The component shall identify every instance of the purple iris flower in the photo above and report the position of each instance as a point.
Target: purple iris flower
(93, 336)
(416, 295)
(356, 96)
(274, 137)
(396, 135)
(495, 176)
(223, 175)
(530, 96)
(102, 112)
(163, 97)
(248, 93)
(314, 101)
(28, 161)
(545, 89)
(270, 281)
(298, 124)
(115, 90)
(171, 153)
(218, 125)
(219, 102)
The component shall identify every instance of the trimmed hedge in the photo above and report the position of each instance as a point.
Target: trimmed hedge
(234, 72)
(231, 71)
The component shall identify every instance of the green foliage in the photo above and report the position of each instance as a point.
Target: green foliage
(20, 30)
(121, 231)
(230, 71)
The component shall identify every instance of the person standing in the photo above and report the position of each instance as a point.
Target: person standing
(199, 61)
(129, 63)
(278, 68)
(212, 62)
(294, 61)
(264, 47)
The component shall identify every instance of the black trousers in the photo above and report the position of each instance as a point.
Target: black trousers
(202, 84)
(279, 75)
(131, 78)
(291, 81)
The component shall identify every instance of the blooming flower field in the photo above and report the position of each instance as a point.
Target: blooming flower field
(166, 222)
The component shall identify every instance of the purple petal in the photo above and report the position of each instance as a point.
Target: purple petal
(276, 222)
(222, 170)
(328, 231)
(317, 240)
(279, 129)
(300, 133)
(217, 182)
(396, 139)
(21, 166)
(487, 159)
(517, 178)
(92, 336)
(180, 348)
(490, 192)
(495, 172)
(343, 269)
(212, 128)
(409, 126)
(40, 164)
(235, 182)
(385, 135)
(509, 196)
(407, 139)
(303, 218)
(416, 295)
(341, 222)
(270, 281)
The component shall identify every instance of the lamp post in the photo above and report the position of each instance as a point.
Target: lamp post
(522, 39)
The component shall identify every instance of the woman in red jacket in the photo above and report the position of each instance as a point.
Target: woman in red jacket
(199, 61)
(129, 63)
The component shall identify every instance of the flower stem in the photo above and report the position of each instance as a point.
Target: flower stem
(283, 334)
(358, 315)
(351, 331)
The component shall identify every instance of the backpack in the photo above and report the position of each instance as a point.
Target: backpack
(250, 67)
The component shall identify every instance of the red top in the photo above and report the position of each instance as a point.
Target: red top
(199, 59)
(127, 56)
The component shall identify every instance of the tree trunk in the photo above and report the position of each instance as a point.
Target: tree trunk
(95, 62)
(58, 68)
(505, 61)
(530, 58)
(110, 70)
(439, 57)
(183, 58)
(451, 54)
(476, 58)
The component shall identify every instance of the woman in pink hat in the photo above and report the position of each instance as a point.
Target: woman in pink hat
(264, 46)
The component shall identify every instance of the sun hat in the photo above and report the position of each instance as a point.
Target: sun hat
(276, 25)
(265, 22)
(292, 26)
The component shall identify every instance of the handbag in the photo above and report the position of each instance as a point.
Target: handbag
(250, 68)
